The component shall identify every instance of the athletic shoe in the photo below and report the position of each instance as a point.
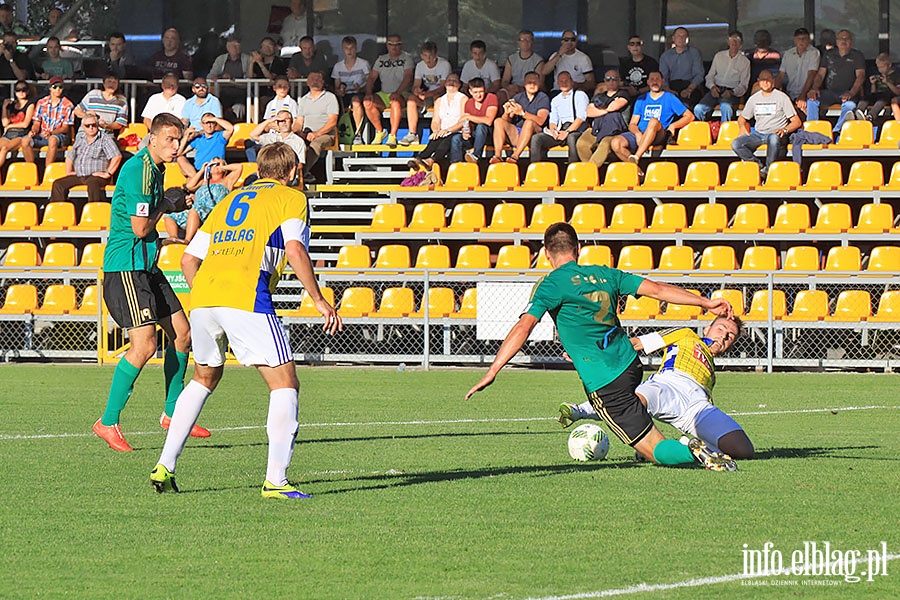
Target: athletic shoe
(713, 461)
(379, 137)
(392, 141)
(409, 138)
(282, 491)
(112, 435)
(163, 479)
(565, 414)
(358, 141)
(196, 430)
(860, 115)
(470, 157)
(496, 159)
(632, 159)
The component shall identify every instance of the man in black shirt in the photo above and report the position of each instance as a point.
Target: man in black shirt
(636, 67)
(15, 64)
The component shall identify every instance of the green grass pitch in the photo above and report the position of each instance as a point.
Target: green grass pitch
(419, 494)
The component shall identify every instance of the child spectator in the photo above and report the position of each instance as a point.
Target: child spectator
(884, 87)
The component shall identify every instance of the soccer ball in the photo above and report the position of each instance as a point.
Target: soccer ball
(588, 442)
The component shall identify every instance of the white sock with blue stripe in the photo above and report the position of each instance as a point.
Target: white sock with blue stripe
(281, 427)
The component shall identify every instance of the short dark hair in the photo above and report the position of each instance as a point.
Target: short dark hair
(477, 44)
(116, 34)
(736, 320)
(429, 46)
(476, 82)
(6, 7)
(165, 120)
(349, 39)
(735, 32)
(53, 38)
(560, 238)
(306, 38)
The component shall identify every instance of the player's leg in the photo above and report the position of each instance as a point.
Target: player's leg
(721, 432)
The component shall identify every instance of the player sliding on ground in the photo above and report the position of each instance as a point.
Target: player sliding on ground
(232, 265)
(582, 301)
(680, 393)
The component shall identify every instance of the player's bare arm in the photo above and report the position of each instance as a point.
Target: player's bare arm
(299, 260)
(514, 341)
(671, 293)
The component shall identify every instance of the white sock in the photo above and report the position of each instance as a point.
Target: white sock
(187, 409)
(586, 411)
(281, 427)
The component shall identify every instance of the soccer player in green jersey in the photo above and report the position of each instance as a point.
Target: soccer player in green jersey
(582, 301)
(136, 292)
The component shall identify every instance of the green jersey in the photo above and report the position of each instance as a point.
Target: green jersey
(582, 301)
(139, 190)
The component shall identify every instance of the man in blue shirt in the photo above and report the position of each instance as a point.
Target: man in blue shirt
(200, 103)
(682, 68)
(207, 144)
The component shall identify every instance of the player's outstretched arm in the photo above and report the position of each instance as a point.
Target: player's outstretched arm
(514, 341)
(676, 295)
(298, 258)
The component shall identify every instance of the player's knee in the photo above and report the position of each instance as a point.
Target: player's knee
(737, 445)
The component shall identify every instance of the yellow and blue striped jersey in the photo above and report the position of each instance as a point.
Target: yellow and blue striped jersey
(688, 354)
(242, 245)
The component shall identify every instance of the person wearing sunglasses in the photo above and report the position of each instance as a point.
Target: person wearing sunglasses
(54, 116)
(200, 103)
(636, 67)
(569, 58)
(17, 114)
(609, 112)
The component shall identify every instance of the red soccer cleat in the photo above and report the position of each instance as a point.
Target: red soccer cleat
(196, 431)
(112, 435)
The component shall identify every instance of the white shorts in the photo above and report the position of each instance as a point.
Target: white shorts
(255, 338)
(680, 402)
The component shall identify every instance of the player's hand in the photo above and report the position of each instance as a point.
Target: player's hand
(720, 307)
(487, 380)
(566, 357)
(333, 322)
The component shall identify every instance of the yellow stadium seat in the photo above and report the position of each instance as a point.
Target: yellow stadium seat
(387, 217)
(170, 257)
(893, 183)
(741, 176)
(734, 297)
(396, 302)
(681, 312)
(718, 258)
(620, 177)
(58, 300)
(354, 256)
(661, 175)
(588, 217)
(759, 306)
(247, 169)
(466, 217)
(640, 309)
(888, 308)
(507, 218)
(760, 258)
(356, 302)
(20, 176)
(851, 306)
(728, 132)
(392, 256)
(823, 127)
(790, 217)
(240, 135)
(513, 257)
(709, 218)
(22, 255)
(693, 136)
(542, 263)
(580, 177)
(874, 218)
(95, 216)
(58, 216)
(595, 255)
(59, 254)
(884, 258)
(545, 215)
(701, 175)
(865, 175)
(461, 176)
(809, 305)
(89, 300)
(137, 128)
(856, 135)
(173, 177)
(668, 217)
(428, 216)
(21, 299)
(751, 217)
(433, 257)
(824, 175)
(501, 177)
(21, 216)
(52, 172)
(833, 217)
(307, 308)
(474, 256)
(627, 217)
(92, 255)
(676, 258)
(468, 306)
(889, 137)
(439, 301)
(783, 175)
(540, 176)
(636, 258)
(843, 258)
(801, 258)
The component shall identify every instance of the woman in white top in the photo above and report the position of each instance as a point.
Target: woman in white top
(446, 126)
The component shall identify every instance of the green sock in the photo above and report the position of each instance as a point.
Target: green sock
(174, 366)
(673, 452)
(119, 391)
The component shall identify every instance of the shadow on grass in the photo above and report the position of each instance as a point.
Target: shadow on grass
(833, 452)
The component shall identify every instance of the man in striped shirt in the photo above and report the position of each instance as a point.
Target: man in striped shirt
(108, 104)
(52, 125)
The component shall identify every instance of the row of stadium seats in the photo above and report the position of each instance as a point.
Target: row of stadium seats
(23, 255)
(23, 216)
(235, 142)
(396, 302)
(671, 217)
(854, 135)
(59, 299)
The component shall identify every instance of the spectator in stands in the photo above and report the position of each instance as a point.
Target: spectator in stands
(209, 48)
(775, 119)
(480, 66)
(798, 68)
(307, 60)
(199, 104)
(166, 101)
(52, 124)
(394, 71)
(827, 40)
(350, 76)
(522, 117)
(8, 24)
(884, 87)
(446, 126)
(294, 27)
(265, 63)
(15, 64)
(317, 117)
(568, 118)
(55, 65)
(572, 60)
(17, 114)
(428, 84)
(171, 58)
(658, 114)
(635, 68)
(839, 79)
(92, 161)
(727, 80)
(681, 67)
(118, 59)
(108, 104)
(232, 65)
(209, 185)
(66, 32)
(517, 65)
(480, 111)
(208, 144)
(609, 113)
(282, 99)
(763, 57)
(276, 129)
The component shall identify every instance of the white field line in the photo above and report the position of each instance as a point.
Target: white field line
(659, 587)
(435, 422)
